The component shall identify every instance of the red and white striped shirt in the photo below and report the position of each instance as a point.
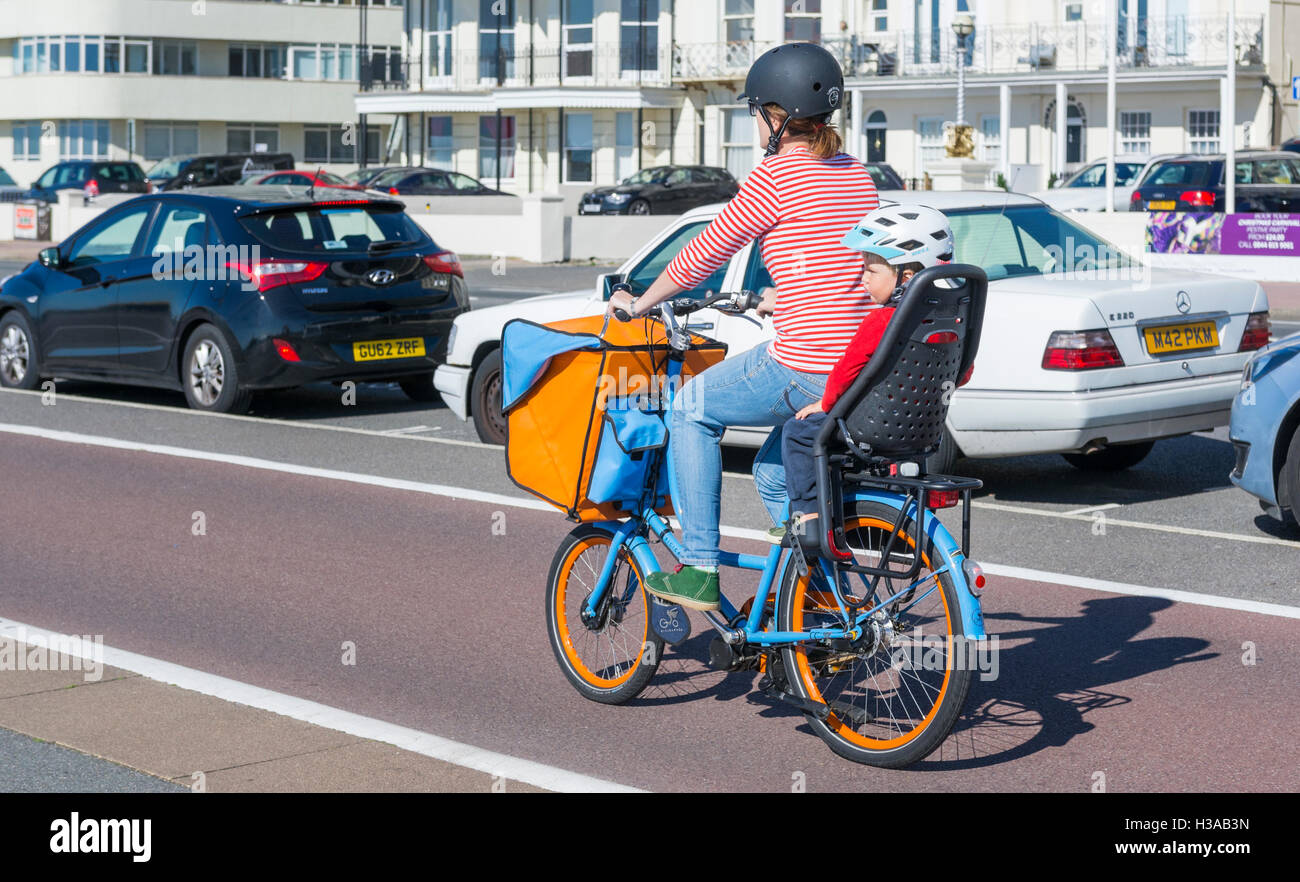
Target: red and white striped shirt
(801, 206)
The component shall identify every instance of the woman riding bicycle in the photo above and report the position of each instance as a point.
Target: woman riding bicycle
(801, 200)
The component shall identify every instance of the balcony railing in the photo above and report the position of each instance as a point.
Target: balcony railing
(541, 65)
(1172, 43)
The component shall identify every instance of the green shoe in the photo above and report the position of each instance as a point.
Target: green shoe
(688, 586)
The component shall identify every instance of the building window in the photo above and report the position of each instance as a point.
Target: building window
(170, 139)
(625, 144)
(738, 19)
(83, 139)
(1135, 131)
(439, 148)
(803, 21)
(254, 60)
(496, 39)
(488, 140)
(639, 36)
(929, 132)
(738, 134)
(882, 23)
(27, 140)
(334, 144)
(991, 139)
(578, 145)
(578, 45)
(175, 58)
(1203, 131)
(1073, 11)
(250, 138)
(876, 127)
(438, 35)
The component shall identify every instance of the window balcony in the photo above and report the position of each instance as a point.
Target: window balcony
(541, 65)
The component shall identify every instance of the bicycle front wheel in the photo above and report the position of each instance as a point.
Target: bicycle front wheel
(894, 694)
(611, 656)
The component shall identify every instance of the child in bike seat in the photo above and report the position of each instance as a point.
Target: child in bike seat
(897, 241)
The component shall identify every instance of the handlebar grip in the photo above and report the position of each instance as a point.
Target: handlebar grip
(621, 315)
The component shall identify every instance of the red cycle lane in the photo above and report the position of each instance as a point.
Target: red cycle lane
(443, 600)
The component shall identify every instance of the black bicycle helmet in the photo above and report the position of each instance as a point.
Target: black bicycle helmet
(803, 79)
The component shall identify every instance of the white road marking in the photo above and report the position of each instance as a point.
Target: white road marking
(409, 430)
(527, 771)
(1093, 508)
(731, 532)
(293, 424)
(1141, 525)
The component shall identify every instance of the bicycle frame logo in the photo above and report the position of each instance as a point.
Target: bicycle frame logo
(915, 651)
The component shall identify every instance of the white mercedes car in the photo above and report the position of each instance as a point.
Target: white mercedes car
(1084, 351)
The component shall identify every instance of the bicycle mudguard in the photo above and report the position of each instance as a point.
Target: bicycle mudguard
(972, 613)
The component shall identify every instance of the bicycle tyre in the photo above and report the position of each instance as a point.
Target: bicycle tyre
(634, 657)
(807, 664)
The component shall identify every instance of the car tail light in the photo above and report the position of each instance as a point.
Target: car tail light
(1135, 199)
(1256, 334)
(285, 351)
(444, 262)
(942, 498)
(392, 191)
(268, 274)
(1198, 198)
(1081, 351)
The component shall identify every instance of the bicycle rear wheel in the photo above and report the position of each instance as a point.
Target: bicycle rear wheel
(895, 694)
(610, 657)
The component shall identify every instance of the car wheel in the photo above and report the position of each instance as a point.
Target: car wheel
(942, 460)
(485, 401)
(639, 206)
(1288, 482)
(1114, 458)
(18, 369)
(209, 374)
(419, 388)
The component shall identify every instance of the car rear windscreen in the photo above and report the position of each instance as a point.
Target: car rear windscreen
(1189, 173)
(332, 229)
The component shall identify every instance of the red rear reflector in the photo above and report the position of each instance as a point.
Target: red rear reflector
(965, 378)
(835, 549)
(444, 262)
(1081, 351)
(285, 351)
(941, 337)
(1202, 198)
(942, 498)
(1256, 334)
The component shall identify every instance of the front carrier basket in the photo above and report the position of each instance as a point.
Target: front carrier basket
(585, 411)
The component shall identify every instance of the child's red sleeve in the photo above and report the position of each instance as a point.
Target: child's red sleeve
(855, 358)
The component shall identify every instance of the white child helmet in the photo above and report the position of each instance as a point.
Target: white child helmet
(903, 234)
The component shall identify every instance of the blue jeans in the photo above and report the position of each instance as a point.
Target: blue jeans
(752, 389)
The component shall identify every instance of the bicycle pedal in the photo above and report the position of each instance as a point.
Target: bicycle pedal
(857, 715)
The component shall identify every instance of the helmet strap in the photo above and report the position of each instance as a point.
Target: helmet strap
(773, 142)
(899, 285)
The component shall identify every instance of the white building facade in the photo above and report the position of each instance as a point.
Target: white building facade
(561, 95)
(144, 79)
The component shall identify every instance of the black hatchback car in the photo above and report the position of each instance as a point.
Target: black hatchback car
(110, 177)
(418, 181)
(214, 170)
(1266, 181)
(666, 189)
(224, 291)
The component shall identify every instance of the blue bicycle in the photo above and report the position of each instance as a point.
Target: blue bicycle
(868, 636)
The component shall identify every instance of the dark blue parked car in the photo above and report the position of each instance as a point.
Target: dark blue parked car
(110, 177)
(1265, 428)
(227, 290)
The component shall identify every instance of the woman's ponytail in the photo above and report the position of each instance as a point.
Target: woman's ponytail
(823, 139)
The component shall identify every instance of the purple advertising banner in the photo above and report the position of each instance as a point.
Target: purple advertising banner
(1190, 232)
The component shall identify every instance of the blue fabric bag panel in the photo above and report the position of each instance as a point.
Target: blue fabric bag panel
(626, 441)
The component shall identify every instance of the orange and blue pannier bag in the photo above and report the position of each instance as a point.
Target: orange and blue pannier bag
(585, 411)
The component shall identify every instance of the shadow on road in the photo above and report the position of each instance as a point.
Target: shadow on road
(1047, 685)
(1055, 673)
